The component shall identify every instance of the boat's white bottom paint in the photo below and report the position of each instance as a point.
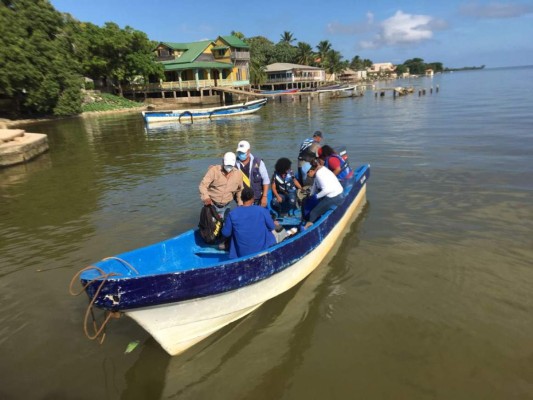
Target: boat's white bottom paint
(187, 117)
(178, 326)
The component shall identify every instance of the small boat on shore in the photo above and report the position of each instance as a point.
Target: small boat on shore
(338, 91)
(189, 115)
(182, 290)
(281, 91)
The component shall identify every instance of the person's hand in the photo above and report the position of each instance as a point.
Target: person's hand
(280, 200)
(263, 201)
(208, 201)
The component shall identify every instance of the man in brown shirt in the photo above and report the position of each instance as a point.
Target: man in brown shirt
(222, 184)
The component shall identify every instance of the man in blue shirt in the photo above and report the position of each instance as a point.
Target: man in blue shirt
(249, 227)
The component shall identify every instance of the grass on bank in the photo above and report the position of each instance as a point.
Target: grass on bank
(108, 102)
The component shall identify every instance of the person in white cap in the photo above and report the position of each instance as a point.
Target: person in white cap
(254, 173)
(222, 184)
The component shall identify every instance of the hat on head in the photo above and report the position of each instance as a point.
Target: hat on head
(243, 146)
(229, 158)
(317, 133)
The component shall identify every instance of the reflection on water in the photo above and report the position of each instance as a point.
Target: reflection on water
(216, 125)
(270, 342)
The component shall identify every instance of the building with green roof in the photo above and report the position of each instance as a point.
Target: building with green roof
(209, 63)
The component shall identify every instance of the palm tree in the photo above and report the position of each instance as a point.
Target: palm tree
(306, 56)
(334, 63)
(287, 37)
(323, 48)
(258, 74)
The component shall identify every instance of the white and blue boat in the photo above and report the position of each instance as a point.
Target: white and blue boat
(182, 290)
(189, 115)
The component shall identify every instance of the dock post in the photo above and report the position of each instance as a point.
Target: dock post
(431, 90)
(437, 89)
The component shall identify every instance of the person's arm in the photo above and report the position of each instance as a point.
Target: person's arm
(275, 191)
(296, 183)
(334, 165)
(204, 186)
(266, 182)
(227, 228)
(239, 191)
(264, 196)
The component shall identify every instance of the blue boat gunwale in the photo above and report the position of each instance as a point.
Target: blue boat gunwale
(134, 291)
(222, 110)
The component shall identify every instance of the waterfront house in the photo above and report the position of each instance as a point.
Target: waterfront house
(293, 76)
(429, 72)
(194, 70)
(350, 76)
(382, 67)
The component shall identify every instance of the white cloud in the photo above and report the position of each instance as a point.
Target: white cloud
(351, 29)
(404, 29)
(496, 10)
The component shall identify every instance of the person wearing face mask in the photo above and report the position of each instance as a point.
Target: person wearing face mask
(222, 184)
(254, 173)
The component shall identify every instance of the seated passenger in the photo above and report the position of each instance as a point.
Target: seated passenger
(284, 185)
(326, 191)
(250, 227)
(335, 163)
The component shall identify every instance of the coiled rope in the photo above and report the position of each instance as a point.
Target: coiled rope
(98, 330)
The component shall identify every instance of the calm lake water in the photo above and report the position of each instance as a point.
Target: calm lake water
(428, 296)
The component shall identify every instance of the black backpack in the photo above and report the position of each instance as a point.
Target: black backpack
(210, 224)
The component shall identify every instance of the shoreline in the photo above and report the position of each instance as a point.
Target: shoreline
(6, 123)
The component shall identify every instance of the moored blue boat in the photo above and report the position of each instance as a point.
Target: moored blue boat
(182, 290)
(189, 115)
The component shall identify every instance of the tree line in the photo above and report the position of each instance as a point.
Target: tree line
(45, 56)
(264, 52)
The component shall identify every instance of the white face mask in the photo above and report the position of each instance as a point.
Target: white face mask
(228, 168)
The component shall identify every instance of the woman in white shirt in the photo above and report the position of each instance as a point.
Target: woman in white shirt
(328, 192)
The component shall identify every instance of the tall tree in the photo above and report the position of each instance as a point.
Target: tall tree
(306, 56)
(119, 55)
(287, 37)
(334, 63)
(261, 54)
(37, 68)
(416, 66)
(323, 47)
(285, 53)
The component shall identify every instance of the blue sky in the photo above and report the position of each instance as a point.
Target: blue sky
(455, 32)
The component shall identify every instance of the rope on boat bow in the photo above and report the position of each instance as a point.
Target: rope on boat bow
(98, 330)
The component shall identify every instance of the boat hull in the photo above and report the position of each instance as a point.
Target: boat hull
(177, 327)
(181, 292)
(185, 115)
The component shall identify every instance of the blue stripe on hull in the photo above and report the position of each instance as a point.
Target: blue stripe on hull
(152, 116)
(143, 291)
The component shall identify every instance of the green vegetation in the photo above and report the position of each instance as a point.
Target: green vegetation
(417, 66)
(44, 55)
(108, 102)
(464, 68)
